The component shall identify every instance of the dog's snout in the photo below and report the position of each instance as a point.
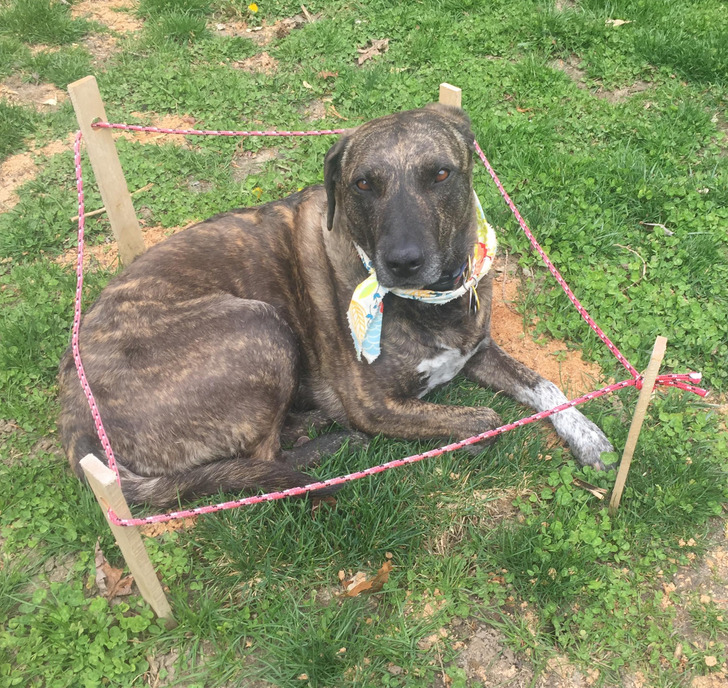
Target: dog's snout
(405, 261)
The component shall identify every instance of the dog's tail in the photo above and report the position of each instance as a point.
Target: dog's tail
(227, 475)
(236, 474)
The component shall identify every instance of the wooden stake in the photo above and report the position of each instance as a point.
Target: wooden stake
(648, 384)
(101, 149)
(451, 95)
(108, 493)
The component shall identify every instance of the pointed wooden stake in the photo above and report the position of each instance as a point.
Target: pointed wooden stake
(108, 493)
(648, 384)
(101, 149)
(451, 95)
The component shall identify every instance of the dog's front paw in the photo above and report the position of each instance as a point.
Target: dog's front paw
(586, 441)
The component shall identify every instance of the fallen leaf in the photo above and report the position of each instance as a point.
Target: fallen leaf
(307, 85)
(356, 587)
(710, 661)
(327, 75)
(333, 111)
(109, 580)
(378, 46)
(598, 492)
(617, 22)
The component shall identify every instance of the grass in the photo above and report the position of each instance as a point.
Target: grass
(627, 193)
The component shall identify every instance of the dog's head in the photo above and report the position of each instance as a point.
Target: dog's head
(401, 186)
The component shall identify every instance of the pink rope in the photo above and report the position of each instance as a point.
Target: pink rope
(340, 480)
(681, 381)
(213, 132)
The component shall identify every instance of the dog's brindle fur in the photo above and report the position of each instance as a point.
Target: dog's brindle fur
(198, 352)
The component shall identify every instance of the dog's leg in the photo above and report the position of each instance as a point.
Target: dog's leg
(311, 452)
(299, 423)
(492, 367)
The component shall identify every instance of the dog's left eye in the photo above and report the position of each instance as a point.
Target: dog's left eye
(442, 175)
(363, 185)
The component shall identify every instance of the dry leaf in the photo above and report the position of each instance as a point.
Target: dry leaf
(307, 85)
(378, 47)
(357, 586)
(617, 22)
(327, 75)
(333, 111)
(109, 580)
(598, 492)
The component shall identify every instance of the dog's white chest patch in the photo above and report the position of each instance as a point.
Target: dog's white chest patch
(443, 367)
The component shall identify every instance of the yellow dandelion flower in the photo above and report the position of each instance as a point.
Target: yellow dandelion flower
(253, 7)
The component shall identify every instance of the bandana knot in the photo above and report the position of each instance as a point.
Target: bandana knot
(367, 306)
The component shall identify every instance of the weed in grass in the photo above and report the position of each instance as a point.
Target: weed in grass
(61, 67)
(59, 637)
(12, 55)
(177, 27)
(41, 21)
(15, 123)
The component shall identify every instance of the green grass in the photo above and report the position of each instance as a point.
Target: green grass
(15, 122)
(473, 539)
(41, 21)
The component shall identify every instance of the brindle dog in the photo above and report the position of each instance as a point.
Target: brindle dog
(200, 350)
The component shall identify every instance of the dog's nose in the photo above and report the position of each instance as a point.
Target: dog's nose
(405, 261)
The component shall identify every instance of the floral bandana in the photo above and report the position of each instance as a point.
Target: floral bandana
(367, 306)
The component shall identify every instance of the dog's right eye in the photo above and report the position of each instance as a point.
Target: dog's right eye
(363, 185)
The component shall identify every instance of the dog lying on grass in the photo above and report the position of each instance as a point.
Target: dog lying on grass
(355, 298)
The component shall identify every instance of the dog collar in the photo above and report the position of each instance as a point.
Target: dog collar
(367, 306)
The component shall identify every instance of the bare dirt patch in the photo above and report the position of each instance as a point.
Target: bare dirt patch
(22, 167)
(118, 15)
(550, 357)
(106, 256)
(262, 63)
(571, 68)
(247, 162)
(488, 661)
(262, 35)
(314, 111)
(156, 138)
(41, 97)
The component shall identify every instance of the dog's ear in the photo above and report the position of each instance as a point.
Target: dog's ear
(457, 117)
(332, 175)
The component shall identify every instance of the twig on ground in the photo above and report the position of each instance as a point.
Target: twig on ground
(657, 224)
(644, 266)
(102, 209)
